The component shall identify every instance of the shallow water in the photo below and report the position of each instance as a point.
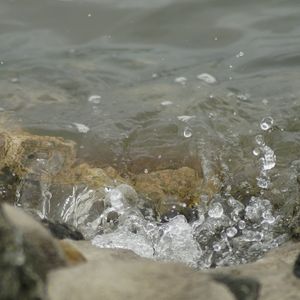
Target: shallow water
(141, 62)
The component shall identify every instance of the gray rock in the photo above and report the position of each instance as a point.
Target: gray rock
(118, 274)
(27, 253)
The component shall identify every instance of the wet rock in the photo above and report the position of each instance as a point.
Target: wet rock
(167, 188)
(62, 231)
(48, 181)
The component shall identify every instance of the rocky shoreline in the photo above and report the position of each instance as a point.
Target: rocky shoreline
(42, 267)
(43, 255)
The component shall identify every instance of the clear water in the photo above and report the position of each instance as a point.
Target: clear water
(141, 85)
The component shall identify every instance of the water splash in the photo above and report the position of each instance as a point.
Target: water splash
(266, 155)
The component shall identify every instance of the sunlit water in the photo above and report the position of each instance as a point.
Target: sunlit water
(141, 85)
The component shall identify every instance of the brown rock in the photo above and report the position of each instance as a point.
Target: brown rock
(170, 187)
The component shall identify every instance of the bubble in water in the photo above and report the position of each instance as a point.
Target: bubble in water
(268, 217)
(96, 99)
(15, 80)
(116, 198)
(259, 139)
(242, 224)
(187, 133)
(256, 151)
(243, 97)
(207, 78)
(215, 210)
(266, 123)
(268, 161)
(217, 247)
(240, 54)
(185, 118)
(81, 127)
(182, 80)
(231, 232)
(263, 182)
(166, 103)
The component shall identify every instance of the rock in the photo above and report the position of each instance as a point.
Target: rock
(168, 188)
(62, 231)
(27, 253)
(49, 182)
(273, 273)
(242, 287)
(296, 268)
(118, 274)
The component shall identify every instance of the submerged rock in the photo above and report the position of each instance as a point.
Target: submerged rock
(169, 188)
(41, 174)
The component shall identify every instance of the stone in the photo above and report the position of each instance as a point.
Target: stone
(112, 274)
(168, 188)
(120, 274)
(62, 231)
(27, 253)
(274, 273)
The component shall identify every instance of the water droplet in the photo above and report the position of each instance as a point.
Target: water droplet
(15, 80)
(185, 118)
(243, 97)
(231, 232)
(207, 78)
(96, 99)
(266, 123)
(259, 139)
(81, 127)
(256, 151)
(217, 247)
(215, 210)
(240, 54)
(182, 80)
(187, 133)
(166, 103)
(242, 224)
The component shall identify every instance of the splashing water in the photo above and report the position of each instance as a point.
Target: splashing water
(267, 157)
(225, 233)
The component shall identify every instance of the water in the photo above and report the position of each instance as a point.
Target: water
(145, 85)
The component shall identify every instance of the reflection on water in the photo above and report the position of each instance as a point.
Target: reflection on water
(159, 84)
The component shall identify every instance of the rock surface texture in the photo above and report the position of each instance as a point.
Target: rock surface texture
(34, 265)
(120, 274)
